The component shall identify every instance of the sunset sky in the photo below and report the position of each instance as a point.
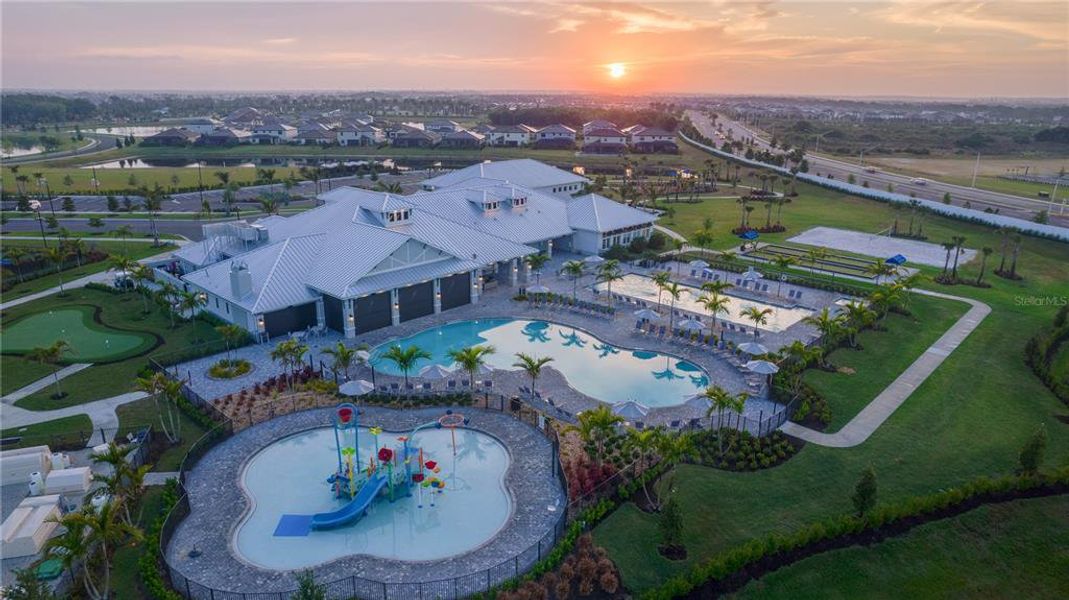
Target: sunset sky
(951, 48)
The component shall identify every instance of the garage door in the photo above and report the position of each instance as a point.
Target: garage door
(456, 290)
(294, 318)
(334, 311)
(416, 300)
(373, 312)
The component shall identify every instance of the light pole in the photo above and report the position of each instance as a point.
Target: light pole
(975, 170)
(35, 206)
(48, 194)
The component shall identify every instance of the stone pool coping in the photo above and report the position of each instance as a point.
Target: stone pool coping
(218, 506)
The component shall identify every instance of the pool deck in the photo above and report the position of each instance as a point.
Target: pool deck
(218, 505)
(618, 331)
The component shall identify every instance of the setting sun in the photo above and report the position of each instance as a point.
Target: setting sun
(617, 70)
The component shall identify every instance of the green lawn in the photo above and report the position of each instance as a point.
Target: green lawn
(882, 356)
(143, 412)
(90, 235)
(125, 576)
(1060, 364)
(135, 250)
(121, 311)
(16, 373)
(118, 181)
(968, 419)
(70, 429)
(1012, 550)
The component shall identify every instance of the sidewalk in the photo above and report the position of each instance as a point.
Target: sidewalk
(884, 405)
(100, 412)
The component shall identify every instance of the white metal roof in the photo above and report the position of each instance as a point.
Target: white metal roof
(522, 171)
(598, 213)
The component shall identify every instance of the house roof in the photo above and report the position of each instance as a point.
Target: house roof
(463, 134)
(523, 171)
(511, 129)
(604, 132)
(598, 213)
(175, 132)
(556, 128)
(652, 131)
(599, 124)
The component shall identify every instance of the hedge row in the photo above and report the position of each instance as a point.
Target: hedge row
(1040, 351)
(150, 563)
(733, 568)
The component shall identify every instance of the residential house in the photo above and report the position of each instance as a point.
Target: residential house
(527, 172)
(509, 135)
(462, 139)
(360, 134)
(442, 126)
(273, 131)
(651, 139)
(225, 136)
(175, 136)
(322, 137)
(597, 124)
(555, 136)
(605, 141)
(410, 137)
(202, 125)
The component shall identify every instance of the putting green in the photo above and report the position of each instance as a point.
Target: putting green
(90, 341)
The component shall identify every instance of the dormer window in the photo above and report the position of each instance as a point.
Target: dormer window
(491, 205)
(398, 216)
(519, 201)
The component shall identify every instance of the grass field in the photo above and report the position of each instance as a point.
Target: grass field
(1012, 550)
(135, 250)
(882, 356)
(91, 235)
(11, 140)
(16, 373)
(959, 171)
(143, 412)
(73, 429)
(968, 419)
(122, 311)
(125, 575)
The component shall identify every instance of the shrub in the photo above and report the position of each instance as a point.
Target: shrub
(229, 369)
(864, 497)
(670, 523)
(1031, 456)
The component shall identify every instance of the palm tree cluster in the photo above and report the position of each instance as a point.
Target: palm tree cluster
(165, 393)
(52, 355)
(174, 301)
(289, 354)
(608, 272)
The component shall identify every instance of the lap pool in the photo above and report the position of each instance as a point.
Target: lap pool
(595, 368)
(290, 476)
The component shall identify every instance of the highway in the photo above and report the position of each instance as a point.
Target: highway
(1007, 204)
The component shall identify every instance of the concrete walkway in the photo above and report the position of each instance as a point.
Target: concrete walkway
(43, 382)
(884, 405)
(100, 412)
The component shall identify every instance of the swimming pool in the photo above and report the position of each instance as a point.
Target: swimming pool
(599, 370)
(290, 476)
(643, 288)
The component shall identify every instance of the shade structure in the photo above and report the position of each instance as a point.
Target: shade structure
(691, 325)
(753, 348)
(435, 372)
(897, 260)
(538, 289)
(762, 366)
(593, 259)
(752, 275)
(698, 264)
(630, 409)
(363, 355)
(356, 388)
(647, 314)
(750, 235)
(698, 401)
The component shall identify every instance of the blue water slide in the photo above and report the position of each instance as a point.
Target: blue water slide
(354, 509)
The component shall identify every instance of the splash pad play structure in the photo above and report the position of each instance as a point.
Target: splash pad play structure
(389, 473)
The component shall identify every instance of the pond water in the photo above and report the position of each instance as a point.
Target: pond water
(248, 163)
(134, 130)
(13, 151)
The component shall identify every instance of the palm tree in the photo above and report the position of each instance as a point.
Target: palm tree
(189, 302)
(75, 246)
(674, 291)
(643, 443)
(16, 254)
(608, 273)
(715, 304)
(783, 263)
(759, 316)
(958, 241)
(470, 358)
(816, 255)
(800, 355)
(575, 270)
(159, 386)
(596, 427)
(660, 279)
(720, 401)
(122, 479)
(536, 262)
(828, 325)
(703, 238)
(948, 246)
(857, 315)
(1016, 251)
(70, 547)
(232, 334)
(406, 358)
(104, 532)
(140, 274)
(269, 205)
(879, 268)
(122, 264)
(532, 366)
(166, 296)
(124, 232)
(985, 252)
(51, 355)
(56, 257)
(342, 358)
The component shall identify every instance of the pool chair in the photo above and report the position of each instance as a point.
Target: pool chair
(798, 295)
(550, 402)
(790, 293)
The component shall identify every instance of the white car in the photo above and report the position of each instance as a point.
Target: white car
(920, 181)
(870, 169)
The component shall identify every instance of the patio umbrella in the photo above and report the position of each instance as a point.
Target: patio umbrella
(356, 388)
(538, 289)
(698, 401)
(647, 314)
(363, 355)
(762, 366)
(698, 264)
(691, 325)
(630, 409)
(593, 259)
(435, 371)
(753, 348)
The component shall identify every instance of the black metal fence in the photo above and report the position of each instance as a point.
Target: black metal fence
(354, 587)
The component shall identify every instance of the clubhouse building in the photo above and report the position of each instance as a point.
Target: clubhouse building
(365, 260)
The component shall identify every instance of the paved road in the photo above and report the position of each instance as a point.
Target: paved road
(97, 143)
(884, 405)
(1009, 205)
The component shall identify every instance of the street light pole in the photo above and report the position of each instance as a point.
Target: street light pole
(975, 170)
